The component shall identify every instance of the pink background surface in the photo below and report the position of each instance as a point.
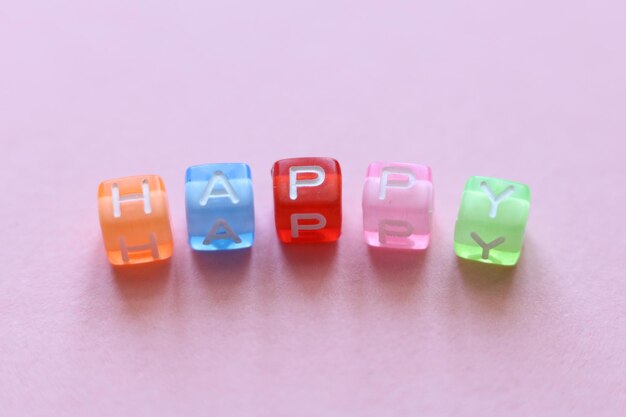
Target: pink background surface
(532, 91)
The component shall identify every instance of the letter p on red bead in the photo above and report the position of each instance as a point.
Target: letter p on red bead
(307, 200)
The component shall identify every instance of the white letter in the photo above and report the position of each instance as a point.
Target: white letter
(228, 191)
(296, 227)
(486, 246)
(117, 200)
(319, 172)
(216, 234)
(154, 248)
(400, 229)
(495, 201)
(386, 183)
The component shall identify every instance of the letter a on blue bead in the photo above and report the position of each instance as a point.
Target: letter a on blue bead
(220, 207)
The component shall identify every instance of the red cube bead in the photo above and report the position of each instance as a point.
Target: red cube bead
(307, 200)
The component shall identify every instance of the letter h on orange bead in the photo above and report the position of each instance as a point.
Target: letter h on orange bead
(134, 218)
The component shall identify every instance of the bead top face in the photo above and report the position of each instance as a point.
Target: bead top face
(398, 205)
(492, 220)
(134, 218)
(220, 207)
(307, 200)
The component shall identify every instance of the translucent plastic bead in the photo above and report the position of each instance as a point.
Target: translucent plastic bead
(398, 205)
(307, 200)
(134, 218)
(492, 220)
(220, 207)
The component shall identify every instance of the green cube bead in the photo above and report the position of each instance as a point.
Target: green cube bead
(491, 222)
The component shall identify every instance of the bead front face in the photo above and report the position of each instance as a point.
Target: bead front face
(220, 207)
(134, 218)
(307, 200)
(492, 219)
(398, 205)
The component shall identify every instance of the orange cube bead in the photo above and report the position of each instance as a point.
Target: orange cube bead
(134, 218)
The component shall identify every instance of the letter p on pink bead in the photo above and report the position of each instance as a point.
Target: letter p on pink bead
(398, 205)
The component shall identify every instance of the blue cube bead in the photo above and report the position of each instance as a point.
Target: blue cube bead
(220, 207)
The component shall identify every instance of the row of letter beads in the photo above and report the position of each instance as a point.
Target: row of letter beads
(397, 210)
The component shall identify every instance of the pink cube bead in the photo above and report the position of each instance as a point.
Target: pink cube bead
(398, 205)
